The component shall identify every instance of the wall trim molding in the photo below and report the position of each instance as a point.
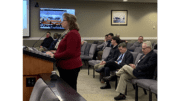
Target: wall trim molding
(97, 38)
(123, 38)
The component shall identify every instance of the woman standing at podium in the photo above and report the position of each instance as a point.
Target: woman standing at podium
(67, 56)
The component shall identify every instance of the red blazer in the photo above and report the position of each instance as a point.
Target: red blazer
(69, 50)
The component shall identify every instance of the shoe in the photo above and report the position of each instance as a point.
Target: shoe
(100, 70)
(110, 78)
(107, 86)
(120, 97)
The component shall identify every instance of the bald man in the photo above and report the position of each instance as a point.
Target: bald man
(143, 69)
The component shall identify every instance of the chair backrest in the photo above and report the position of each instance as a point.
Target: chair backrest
(38, 89)
(106, 52)
(95, 42)
(155, 74)
(155, 46)
(138, 49)
(92, 50)
(88, 46)
(155, 51)
(99, 42)
(48, 95)
(152, 44)
(138, 57)
(83, 47)
(134, 56)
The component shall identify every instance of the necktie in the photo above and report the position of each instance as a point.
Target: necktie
(120, 58)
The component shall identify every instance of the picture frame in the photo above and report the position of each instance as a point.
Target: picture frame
(119, 17)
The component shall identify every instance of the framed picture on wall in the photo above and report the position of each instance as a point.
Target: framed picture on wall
(119, 17)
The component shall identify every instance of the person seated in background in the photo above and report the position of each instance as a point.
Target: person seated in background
(125, 58)
(59, 40)
(56, 37)
(143, 69)
(120, 39)
(52, 48)
(46, 42)
(113, 55)
(101, 47)
(106, 38)
(109, 39)
(136, 44)
(106, 44)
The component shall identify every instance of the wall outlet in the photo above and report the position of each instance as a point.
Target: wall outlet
(30, 82)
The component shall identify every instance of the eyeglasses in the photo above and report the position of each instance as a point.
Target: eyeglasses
(64, 20)
(145, 48)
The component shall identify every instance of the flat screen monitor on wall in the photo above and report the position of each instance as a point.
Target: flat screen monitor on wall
(51, 18)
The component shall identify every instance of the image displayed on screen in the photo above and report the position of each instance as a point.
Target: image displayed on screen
(51, 18)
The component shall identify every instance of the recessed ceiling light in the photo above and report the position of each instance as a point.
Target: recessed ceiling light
(125, 0)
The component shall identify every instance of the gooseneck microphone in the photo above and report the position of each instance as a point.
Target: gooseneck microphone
(37, 40)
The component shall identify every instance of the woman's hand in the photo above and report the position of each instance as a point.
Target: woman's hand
(53, 51)
(50, 53)
(52, 56)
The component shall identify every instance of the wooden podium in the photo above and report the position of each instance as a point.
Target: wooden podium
(33, 65)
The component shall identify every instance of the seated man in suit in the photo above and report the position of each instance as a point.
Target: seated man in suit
(136, 44)
(113, 55)
(125, 58)
(46, 42)
(143, 69)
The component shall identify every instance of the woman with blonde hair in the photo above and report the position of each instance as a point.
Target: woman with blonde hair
(68, 53)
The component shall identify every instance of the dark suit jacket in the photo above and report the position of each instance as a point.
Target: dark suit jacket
(113, 55)
(47, 42)
(145, 68)
(127, 59)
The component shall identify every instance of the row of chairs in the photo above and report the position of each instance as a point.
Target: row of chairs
(87, 51)
(152, 87)
(41, 92)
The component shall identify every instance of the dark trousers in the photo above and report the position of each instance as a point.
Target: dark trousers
(95, 55)
(69, 76)
(110, 66)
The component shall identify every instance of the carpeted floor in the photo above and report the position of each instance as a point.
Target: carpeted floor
(89, 88)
